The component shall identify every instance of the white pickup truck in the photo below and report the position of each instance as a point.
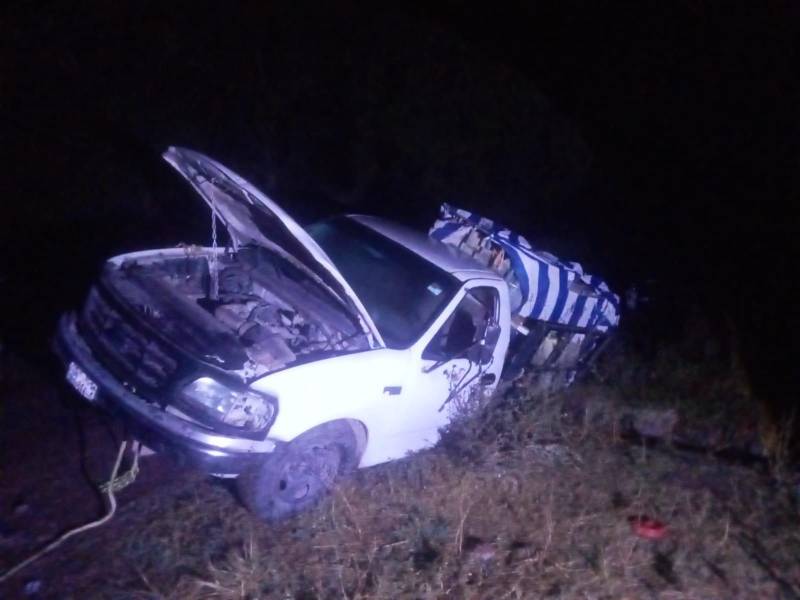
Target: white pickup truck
(289, 356)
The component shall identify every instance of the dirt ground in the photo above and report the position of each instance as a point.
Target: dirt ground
(54, 450)
(514, 503)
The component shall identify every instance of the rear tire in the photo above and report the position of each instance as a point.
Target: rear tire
(298, 475)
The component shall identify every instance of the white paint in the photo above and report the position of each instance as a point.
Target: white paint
(443, 256)
(353, 387)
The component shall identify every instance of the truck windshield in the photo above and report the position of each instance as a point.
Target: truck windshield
(402, 291)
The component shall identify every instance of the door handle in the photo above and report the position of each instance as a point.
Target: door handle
(488, 379)
(392, 390)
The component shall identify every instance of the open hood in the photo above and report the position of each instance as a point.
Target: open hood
(252, 218)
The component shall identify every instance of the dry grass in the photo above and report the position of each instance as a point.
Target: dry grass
(514, 505)
(523, 498)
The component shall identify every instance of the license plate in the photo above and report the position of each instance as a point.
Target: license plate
(81, 382)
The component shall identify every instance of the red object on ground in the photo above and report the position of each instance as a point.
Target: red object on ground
(646, 527)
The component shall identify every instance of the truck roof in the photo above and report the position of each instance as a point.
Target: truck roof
(443, 256)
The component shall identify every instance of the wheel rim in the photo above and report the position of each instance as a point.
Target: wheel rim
(306, 475)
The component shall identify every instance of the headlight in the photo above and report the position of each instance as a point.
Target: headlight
(244, 409)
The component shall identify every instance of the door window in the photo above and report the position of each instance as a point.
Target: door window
(465, 327)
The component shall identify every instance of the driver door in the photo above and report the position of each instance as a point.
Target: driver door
(461, 355)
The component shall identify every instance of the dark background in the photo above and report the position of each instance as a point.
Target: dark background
(651, 141)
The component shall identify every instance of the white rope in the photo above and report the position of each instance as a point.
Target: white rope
(112, 485)
(127, 478)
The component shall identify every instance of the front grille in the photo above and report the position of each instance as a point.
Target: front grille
(130, 353)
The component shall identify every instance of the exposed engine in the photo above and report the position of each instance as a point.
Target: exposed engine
(271, 332)
(273, 313)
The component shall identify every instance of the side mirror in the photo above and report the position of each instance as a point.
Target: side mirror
(481, 352)
(492, 334)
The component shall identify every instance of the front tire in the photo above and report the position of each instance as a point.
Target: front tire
(296, 476)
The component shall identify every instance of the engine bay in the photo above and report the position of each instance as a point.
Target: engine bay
(272, 332)
(277, 313)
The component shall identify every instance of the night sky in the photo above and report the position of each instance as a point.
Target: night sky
(652, 141)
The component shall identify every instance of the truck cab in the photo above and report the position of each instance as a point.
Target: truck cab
(444, 321)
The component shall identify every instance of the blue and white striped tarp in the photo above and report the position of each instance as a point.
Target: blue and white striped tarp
(543, 287)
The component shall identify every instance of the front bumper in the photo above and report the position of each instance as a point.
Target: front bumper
(188, 442)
